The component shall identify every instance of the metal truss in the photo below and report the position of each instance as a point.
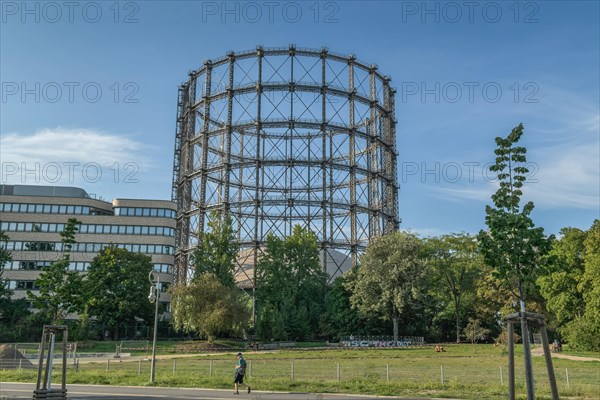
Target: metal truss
(283, 136)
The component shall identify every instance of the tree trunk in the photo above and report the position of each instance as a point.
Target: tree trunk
(395, 322)
(457, 328)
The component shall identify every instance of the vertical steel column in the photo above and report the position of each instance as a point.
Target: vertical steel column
(352, 160)
(374, 150)
(204, 138)
(230, 94)
(189, 165)
(257, 184)
(324, 156)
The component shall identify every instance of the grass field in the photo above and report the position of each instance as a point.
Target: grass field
(468, 372)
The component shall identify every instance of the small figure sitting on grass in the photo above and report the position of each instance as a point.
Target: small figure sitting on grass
(439, 348)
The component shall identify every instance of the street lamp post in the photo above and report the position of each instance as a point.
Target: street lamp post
(154, 296)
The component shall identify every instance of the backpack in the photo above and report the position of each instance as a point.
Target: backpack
(242, 368)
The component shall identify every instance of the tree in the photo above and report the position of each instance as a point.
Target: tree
(560, 286)
(209, 308)
(583, 331)
(5, 257)
(59, 289)
(474, 331)
(117, 287)
(512, 246)
(290, 279)
(390, 279)
(217, 249)
(455, 263)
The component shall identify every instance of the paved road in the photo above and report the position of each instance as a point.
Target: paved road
(9, 391)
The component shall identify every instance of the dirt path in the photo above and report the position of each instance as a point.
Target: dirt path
(539, 351)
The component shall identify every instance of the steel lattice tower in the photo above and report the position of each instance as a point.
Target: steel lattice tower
(283, 136)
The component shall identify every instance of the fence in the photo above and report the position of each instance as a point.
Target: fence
(382, 370)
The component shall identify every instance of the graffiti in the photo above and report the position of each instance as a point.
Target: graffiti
(382, 342)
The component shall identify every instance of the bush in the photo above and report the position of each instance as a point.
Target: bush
(582, 334)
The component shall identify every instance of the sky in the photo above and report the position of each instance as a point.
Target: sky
(89, 93)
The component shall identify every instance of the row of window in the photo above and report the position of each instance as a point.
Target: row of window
(144, 212)
(28, 265)
(51, 209)
(89, 228)
(89, 247)
(86, 210)
(30, 285)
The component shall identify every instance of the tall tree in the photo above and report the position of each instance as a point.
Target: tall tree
(59, 289)
(512, 245)
(290, 279)
(217, 249)
(117, 287)
(391, 277)
(455, 264)
(560, 286)
(209, 308)
(583, 331)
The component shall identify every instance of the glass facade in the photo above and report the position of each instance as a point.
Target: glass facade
(89, 247)
(51, 209)
(8, 226)
(144, 212)
(30, 265)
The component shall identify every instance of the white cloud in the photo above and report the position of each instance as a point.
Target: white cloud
(70, 156)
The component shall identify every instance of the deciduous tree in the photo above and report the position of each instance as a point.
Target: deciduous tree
(60, 290)
(217, 249)
(209, 308)
(391, 278)
(117, 287)
(455, 264)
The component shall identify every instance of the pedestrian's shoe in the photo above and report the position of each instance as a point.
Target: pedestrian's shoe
(248, 389)
(236, 392)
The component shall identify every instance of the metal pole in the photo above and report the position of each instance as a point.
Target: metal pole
(154, 295)
(442, 373)
(387, 372)
(210, 368)
(140, 366)
(568, 380)
(501, 376)
(338, 372)
(174, 366)
(292, 370)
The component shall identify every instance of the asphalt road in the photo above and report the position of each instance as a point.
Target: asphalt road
(10, 391)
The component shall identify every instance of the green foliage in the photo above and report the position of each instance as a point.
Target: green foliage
(512, 246)
(455, 265)
(583, 331)
(209, 308)
(5, 256)
(390, 280)
(474, 331)
(290, 280)
(560, 286)
(217, 250)
(59, 289)
(117, 287)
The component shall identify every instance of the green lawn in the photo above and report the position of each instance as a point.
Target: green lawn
(468, 372)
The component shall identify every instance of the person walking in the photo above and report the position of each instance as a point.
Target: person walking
(240, 371)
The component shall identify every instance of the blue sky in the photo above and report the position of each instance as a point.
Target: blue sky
(89, 92)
